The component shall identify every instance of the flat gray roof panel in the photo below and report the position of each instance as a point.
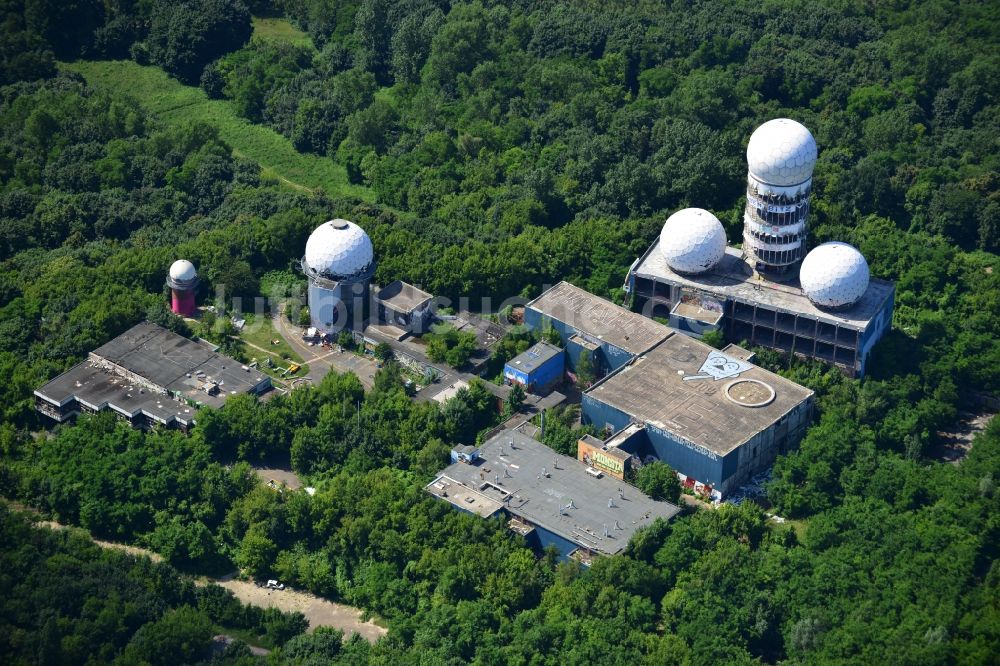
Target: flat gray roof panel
(534, 357)
(600, 318)
(402, 296)
(161, 358)
(512, 476)
(97, 388)
(667, 387)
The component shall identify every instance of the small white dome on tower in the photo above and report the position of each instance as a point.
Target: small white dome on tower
(834, 275)
(692, 241)
(781, 152)
(339, 248)
(182, 270)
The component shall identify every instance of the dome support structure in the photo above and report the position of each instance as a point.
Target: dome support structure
(780, 158)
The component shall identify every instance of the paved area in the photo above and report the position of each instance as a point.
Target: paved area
(956, 442)
(322, 359)
(285, 476)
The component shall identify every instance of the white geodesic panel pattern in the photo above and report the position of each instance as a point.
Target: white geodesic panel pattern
(834, 275)
(692, 241)
(338, 248)
(781, 152)
(182, 270)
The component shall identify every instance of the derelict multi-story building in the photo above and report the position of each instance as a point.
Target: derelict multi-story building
(711, 415)
(149, 376)
(825, 306)
(549, 499)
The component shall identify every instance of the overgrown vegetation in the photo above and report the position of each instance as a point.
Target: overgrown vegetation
(494, 147)
(68, 601)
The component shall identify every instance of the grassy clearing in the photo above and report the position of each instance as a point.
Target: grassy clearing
(800, 527)
(259, 330)
(280, 30)
(173, 102)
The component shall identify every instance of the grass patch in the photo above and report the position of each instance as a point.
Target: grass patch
(259, 331)
(174, 103)
(800, 526)
(280, 30)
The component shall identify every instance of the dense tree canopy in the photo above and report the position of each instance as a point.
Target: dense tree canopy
(505, 145)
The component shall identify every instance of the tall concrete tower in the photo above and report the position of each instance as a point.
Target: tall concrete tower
(780, 156)
(339, 262)
(183, 281)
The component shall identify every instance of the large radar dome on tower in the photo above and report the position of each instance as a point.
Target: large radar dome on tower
(339, 249)
(692, 241)
(834, 275)
(781, 152)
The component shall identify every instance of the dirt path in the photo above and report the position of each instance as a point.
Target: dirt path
(320, 612)
(320, 360)
(131, 550)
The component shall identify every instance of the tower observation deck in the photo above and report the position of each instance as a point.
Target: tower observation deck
(780, 156)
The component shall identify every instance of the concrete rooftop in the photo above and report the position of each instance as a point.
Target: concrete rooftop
(510, 475)
(166, 359)
(706, 410)
(732, 278)
(162, 358)
(98, 388)
(402, 297)
(600, 318)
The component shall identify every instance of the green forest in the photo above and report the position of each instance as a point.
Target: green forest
(489, 148)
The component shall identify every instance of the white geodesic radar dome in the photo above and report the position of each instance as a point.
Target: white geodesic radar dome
(834, 275)
(781, 152)
(339, 248)
(692, 241)
(182, 270)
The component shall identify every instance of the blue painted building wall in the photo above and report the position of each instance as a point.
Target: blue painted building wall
(606, 358)
(542, 376)
(871, 336)
(701, 464)
(541, 538)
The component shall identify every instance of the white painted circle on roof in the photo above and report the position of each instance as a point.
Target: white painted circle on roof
(781, 152)
(834, 275)
(339, 248)
(749, 392)
(692, 241)
(182, 270)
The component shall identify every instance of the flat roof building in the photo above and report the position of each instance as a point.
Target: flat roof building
(549, 498)
(149, 375)
(777, 315)
(711, 416)
(538, 369)
(403, 305)
(585, 322)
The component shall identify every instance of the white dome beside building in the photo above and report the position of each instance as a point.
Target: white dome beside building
(692, 241)
(339, 249)
(339, 262)
(834, 275)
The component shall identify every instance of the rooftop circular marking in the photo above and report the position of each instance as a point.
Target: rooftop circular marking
(749, 392)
